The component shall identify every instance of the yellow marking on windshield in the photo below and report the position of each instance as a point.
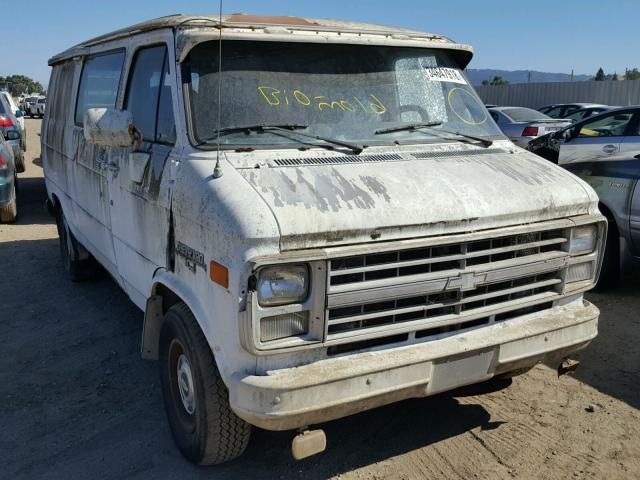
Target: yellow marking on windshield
(472, 121)
(275, 97)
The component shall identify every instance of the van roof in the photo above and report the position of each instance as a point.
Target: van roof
(256, 25)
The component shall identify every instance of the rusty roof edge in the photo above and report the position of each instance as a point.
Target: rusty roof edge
(195, 21)
(464, 53)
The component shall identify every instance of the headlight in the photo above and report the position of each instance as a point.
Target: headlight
(282, 285)
(583, 240)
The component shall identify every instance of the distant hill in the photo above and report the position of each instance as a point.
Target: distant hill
(521, 76)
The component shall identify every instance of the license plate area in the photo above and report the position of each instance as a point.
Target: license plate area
(464, 369)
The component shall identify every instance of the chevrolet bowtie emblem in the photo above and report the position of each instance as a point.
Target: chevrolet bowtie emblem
(466, 281)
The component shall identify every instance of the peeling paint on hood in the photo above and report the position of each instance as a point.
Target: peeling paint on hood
(327, 205)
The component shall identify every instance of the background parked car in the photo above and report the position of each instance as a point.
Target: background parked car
(13, 107)
(587, 112)
(604, 150)
(29, 106)
(24, 103)
(617, 185)
(562, 110)
(522, 125)
(36, 107)
(13, 133)
(39, 106)
(609, 135)
(8, 183)
(18, 113)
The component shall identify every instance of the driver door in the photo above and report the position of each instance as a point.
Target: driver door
(140, 184)
(597, 139)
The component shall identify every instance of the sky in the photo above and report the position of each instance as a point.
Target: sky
(544, 35)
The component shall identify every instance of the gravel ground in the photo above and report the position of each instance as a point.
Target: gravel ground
(76, 400)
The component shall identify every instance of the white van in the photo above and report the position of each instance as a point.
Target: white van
(330, 224)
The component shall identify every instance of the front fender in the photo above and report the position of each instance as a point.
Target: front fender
(153, 315)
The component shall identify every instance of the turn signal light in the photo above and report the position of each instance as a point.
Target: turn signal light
(219, 274)
(530, 132)
(5, 122)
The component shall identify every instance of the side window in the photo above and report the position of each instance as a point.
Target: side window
(495, 117)
(99, 83)
(166, 128)
(613, 125)
(554, 112)
(149, 95)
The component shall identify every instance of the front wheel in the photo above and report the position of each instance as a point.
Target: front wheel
(196, 399)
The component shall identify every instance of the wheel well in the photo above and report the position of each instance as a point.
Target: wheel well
(162, 299)
(169, 298)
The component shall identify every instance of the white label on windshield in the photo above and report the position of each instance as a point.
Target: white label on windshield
(444, 74)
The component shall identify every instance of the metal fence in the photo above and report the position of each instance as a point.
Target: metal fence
(535, 95)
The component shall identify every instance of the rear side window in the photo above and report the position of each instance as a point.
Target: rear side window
(524, 114)
(149, 95)
(99, 83)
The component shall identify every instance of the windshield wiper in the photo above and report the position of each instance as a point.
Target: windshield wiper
(291, 128)
(430, 126)
(411, 126)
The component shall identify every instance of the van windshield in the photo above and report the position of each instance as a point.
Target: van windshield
(345, 92)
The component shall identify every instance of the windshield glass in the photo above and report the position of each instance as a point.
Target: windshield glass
(345, 92)
(524, 114)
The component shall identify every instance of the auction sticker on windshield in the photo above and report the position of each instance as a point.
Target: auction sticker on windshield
(444, 74)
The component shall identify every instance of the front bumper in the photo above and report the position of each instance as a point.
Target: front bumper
(336, 387)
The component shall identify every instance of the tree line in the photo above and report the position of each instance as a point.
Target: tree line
(629, 74)
(18, 84)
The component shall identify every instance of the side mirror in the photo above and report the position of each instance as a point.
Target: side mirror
(109, 127)
(19, 114)
(568, 134)
(12, 135)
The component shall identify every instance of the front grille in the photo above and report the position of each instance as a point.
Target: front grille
(454, 256)
(418, 291)
(435, 332)
(445, 308)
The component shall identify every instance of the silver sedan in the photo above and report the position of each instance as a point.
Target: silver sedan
(522, 125)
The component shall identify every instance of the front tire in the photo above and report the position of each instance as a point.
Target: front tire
(196, 400)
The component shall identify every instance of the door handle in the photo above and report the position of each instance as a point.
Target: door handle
(609, 149)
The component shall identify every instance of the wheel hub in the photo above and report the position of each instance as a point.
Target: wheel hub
(185, 384)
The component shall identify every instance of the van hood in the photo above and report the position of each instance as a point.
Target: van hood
(328, 200)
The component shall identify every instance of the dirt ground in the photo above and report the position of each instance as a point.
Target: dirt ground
(76, 400)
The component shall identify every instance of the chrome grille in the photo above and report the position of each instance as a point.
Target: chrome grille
(444, 287)
(402, 263)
